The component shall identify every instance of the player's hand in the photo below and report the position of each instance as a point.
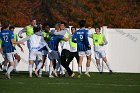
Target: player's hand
(22, 43)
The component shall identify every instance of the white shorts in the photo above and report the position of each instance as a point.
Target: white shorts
(100, 54)
(15, 52)
(44, 52)
(54, 55)
(84, 53)
(37, 55)
(9, 56)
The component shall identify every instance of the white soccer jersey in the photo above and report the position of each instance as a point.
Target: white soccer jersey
(36, 42)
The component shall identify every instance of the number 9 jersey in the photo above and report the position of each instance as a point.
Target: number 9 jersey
(81, 38)
(6, 36)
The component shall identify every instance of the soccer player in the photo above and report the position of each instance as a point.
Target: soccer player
(37, 42)
(99, 41)
(16, 56)
(64, 44)
(73, 53)
(54, 55)
(7, 38)
(46, 35)
(83, 47)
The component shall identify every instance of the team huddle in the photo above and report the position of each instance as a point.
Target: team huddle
(43, 42)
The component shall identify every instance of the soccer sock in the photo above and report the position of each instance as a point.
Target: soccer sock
(62, 69)
(51, 70)
(99, 67)
(107, 64)
(87, 69)
(5, 68)
(79, 70)
(16, 63)
(47, 68)
(39, 65)
(30, 70)
(57, 66)
(40, 71)
(10, 69)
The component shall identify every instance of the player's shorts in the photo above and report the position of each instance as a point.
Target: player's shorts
(100, 54)
(37, 55)
(84, 53)
(9, 56)
(15, 52)
(54, 55)
(44, 52)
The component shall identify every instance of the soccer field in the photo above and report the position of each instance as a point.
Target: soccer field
(98, 83)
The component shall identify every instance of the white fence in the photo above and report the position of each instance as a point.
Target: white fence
(123, 51)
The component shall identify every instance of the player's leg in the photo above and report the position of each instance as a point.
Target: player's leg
(10, 58)
(39, 58)
(88, 55)
(70, 58)
(32, 57)
(107, 64)
(103, 55)
(16, 60)
(81, 55)
(97, 58)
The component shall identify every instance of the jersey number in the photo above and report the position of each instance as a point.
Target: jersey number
(5, 38)
(81, 37)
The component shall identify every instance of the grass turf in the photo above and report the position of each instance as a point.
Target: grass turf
(98, 83)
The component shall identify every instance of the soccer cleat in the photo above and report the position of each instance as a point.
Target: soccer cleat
(79, 76)
(87, 74)
(73, 74)
(30, 75)
(0, 66)
(51, 76)
(7, 76)
(4, 70)
(40, 75)
(55, 74)
(110, 71)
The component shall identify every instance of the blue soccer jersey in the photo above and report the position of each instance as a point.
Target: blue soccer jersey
(54, 41)
(81, 38)
(6, 36)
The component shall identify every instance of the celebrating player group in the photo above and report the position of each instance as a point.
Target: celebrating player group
(43, 44)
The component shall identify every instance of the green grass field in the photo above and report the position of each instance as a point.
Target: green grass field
(98, 83)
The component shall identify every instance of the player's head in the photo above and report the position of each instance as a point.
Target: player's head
(73, 29)
(97, 29)
(82, 23)
(33, 22)
(5, 24)
(11, 28)
(37, 29)
(57, 27)
(46, 27)
(62, 25)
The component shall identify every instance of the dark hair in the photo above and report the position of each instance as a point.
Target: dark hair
(5, 24)
(73, 27)
(82, 23)
(98, 27)
(11, 27)
(37, 29)
(63, 23)
(32, 19)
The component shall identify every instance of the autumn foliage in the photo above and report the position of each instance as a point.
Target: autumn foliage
(112, 13)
